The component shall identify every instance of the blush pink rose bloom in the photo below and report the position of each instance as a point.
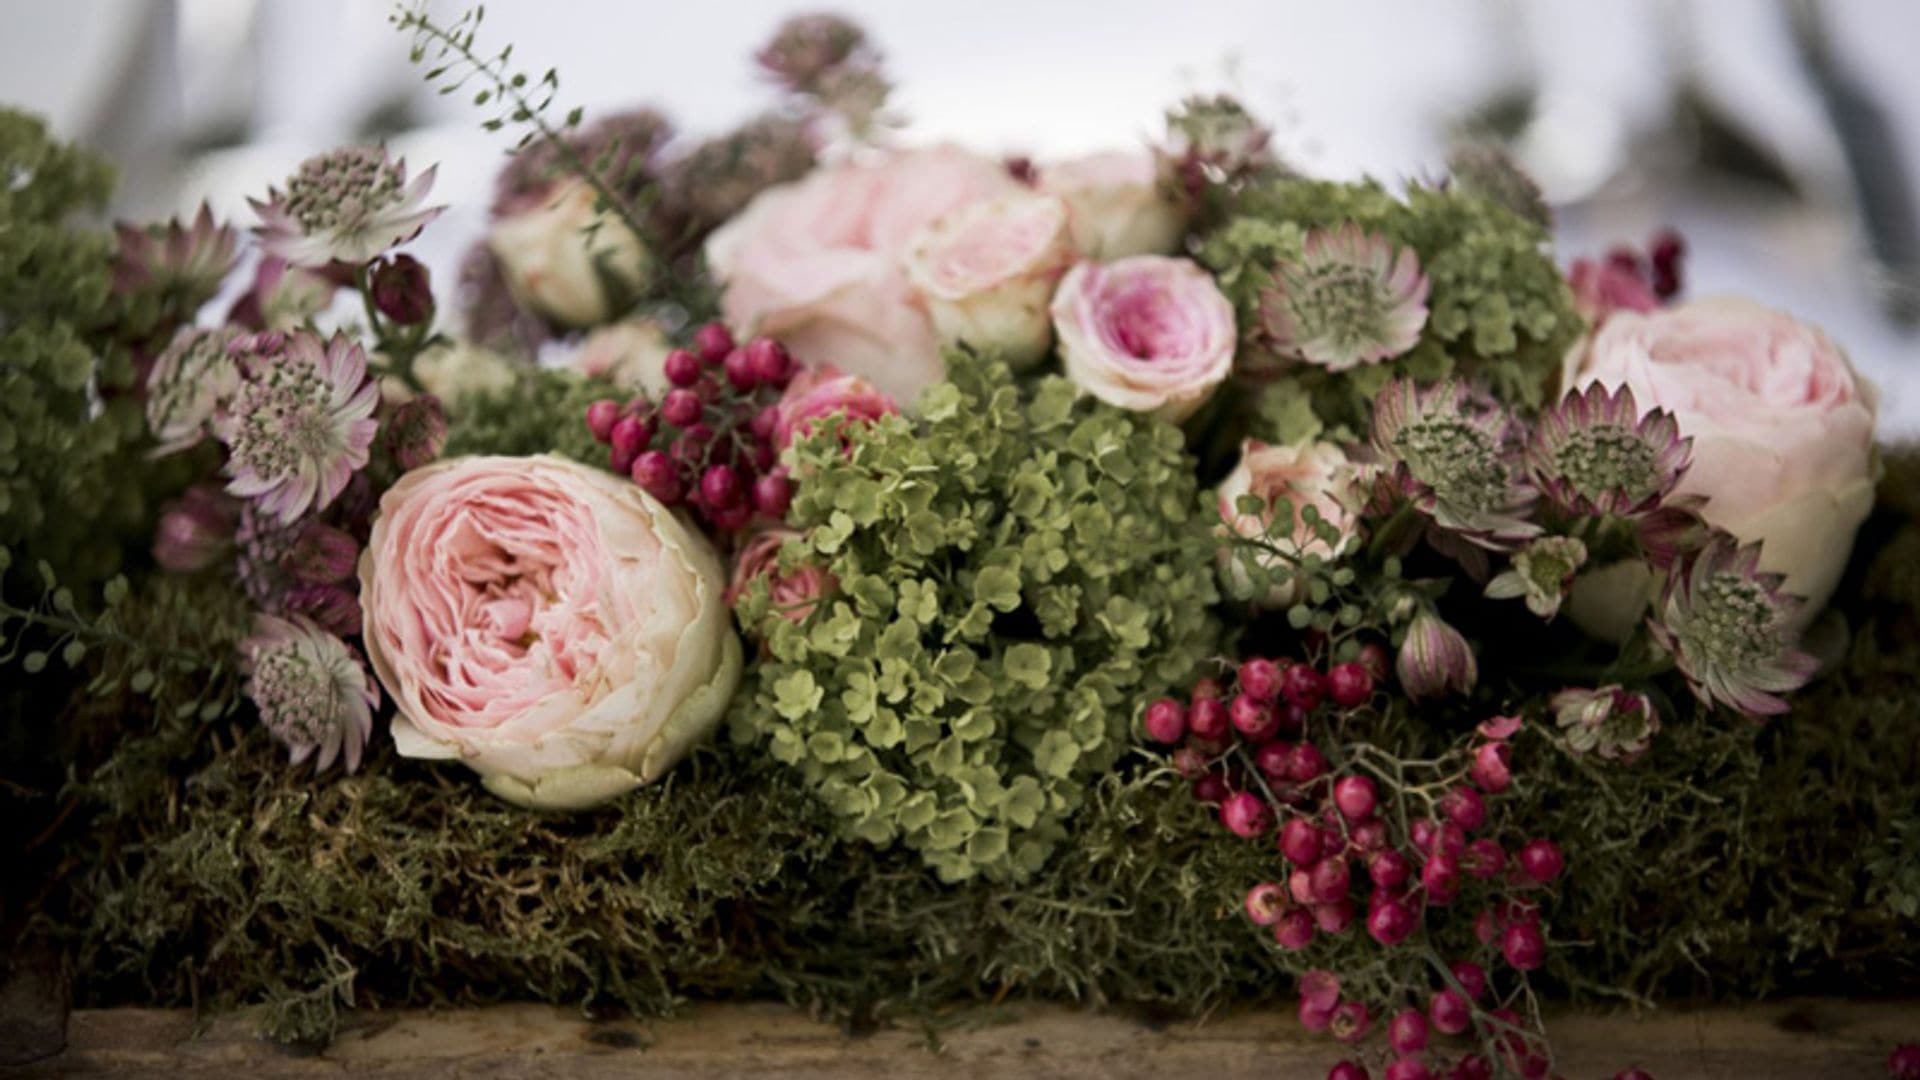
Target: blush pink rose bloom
(822, 392)
(794, 594)
(550, 624)
(1118, 203)
(1782, 425)
(1316, 474)
(818, 263)
(986, 271)
(1148, 333)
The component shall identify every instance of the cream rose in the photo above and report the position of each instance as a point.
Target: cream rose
(568, 259)
(818, 263)
(1782, 425)
(458, 369)
(1148, 333)
(547, 623)
(1117, 203)
(632, 353)
(1316, 474)
(986, 271)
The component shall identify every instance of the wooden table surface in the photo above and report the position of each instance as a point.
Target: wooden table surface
(1792, 1039)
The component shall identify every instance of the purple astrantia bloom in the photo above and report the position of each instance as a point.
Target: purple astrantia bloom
(187, 387)
(183, 262)
(1611, 721)
(1349, 299)
(1449, 455)
(313, 693)
(346, 205)
(300, 423)
(1729, 629)
(1593, 453)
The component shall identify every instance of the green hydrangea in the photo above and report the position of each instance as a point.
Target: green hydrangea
(543, 412)
(1499, 309)
(1016, 569)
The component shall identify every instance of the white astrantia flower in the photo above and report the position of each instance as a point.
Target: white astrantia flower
(313, 693)
(347, 205)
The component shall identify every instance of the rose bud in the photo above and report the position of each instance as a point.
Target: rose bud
(416, 432)
(987, 270)
(1147, 334)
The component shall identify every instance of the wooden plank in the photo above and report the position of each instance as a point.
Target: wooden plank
(1797, 1040)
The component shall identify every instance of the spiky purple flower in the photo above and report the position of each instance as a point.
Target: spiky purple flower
(183, 263)
(1616, 723)
(313, 693)
(1349, 299)
(1729, 629)
(187, 387)
(300, 423)
(1450, 456)
(346, 205)
(1594, 453)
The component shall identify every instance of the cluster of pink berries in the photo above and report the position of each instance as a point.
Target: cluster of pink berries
(1660, 269)
(1367, 839)
(709, 442)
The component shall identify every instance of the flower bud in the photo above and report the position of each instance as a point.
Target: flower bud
(195, 529)
(416, 432)
(1435, 660)
(402, 290)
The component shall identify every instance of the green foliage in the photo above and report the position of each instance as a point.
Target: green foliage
(544, 412)
(1499, 310)
(1015, 570)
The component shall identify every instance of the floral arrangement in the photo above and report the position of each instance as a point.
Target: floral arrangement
(911, 575)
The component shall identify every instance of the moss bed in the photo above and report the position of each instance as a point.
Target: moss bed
(193, 868)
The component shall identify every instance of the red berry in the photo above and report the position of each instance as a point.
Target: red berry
(739, 369)
(1260, 679)
(1300, 887)
(730, 518)
(1293, 718)
(1349, 684)
(1370, 835)
(1306, 763)
(1408, 1068)
(1484, 859)
(1211, 788)
(1389, 870)
(1266, 902)
(1246, 815)
(1407, 1031)
(1450, 839)
(1422, 833)
(621, 462)
(682, 368)
(1441, 878)
(1642, 1074)
(1166, 719)
(1904, 1062)
(1541, 861)
(1207, 689)
(1295, 929)
(1471, 977)
(1331, 879)
(1271, 759)
(1376, 661)
(773, 494)
(1471, 1067)
(1350, 1021)
(1208, 719)
(771, 362)
(658, 476)
(1355, 796)
(1449, 1012)
(1465, 808)
(1490, 769)
(1303, 686)
(628, 435)
(1256, 722)
(713, 342)
(601, 416)
(1390, 922)
(1189, 762)
(1524, 946)
(1333, 918)
(1348, 1070)
(720, 487)
(681, 408)
(1300, 842)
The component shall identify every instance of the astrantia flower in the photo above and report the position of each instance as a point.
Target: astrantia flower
(184, 264)
(1729, 628)
(1450, 457)
(1594, 453)
(1349, 299)
(1215, 139)
(1613, 722)
(299, 425)
(347, 205)
(312, 692)
(187, 386)
(1542, 573)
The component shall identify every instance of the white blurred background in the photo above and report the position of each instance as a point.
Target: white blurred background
(1781, 136)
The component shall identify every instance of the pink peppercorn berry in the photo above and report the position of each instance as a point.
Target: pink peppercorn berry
(601, 416)
(1207, 719)
(1390, 922)
(1166, 721)
(681, 368)
(1349, 684)
(1407, 1031)
(1260, 679)
(1356, 797)
(1348, 1070)
(1449, 1012)
(1408, 1068)
(1245, 814)
(1540, 861)
(713, 342)
(1524, 946)
(1904, 1062)
(1302, 686)
(1294, 930)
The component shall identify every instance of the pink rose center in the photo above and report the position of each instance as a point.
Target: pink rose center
(1142, 321)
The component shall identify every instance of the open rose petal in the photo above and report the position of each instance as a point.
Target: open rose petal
(987, 270)
(1148, 333)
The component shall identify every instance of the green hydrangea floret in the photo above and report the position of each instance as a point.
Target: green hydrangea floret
(1016, 568)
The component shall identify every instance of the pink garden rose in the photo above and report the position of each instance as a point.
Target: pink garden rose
(826, 391)
(1782, 426)
(1118, 202)
(794, 595)
(1147, 333)
(818, 263)
(551, 625)
(1316, 474)
(987, 270)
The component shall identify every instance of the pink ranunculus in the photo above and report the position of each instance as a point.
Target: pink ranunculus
(1147, 333)
(825, 391)
(1119, 203)
(548, 623)
(794, 594)
(1782, 425)
(987, 270)
(818, 263)
(1314, 474)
